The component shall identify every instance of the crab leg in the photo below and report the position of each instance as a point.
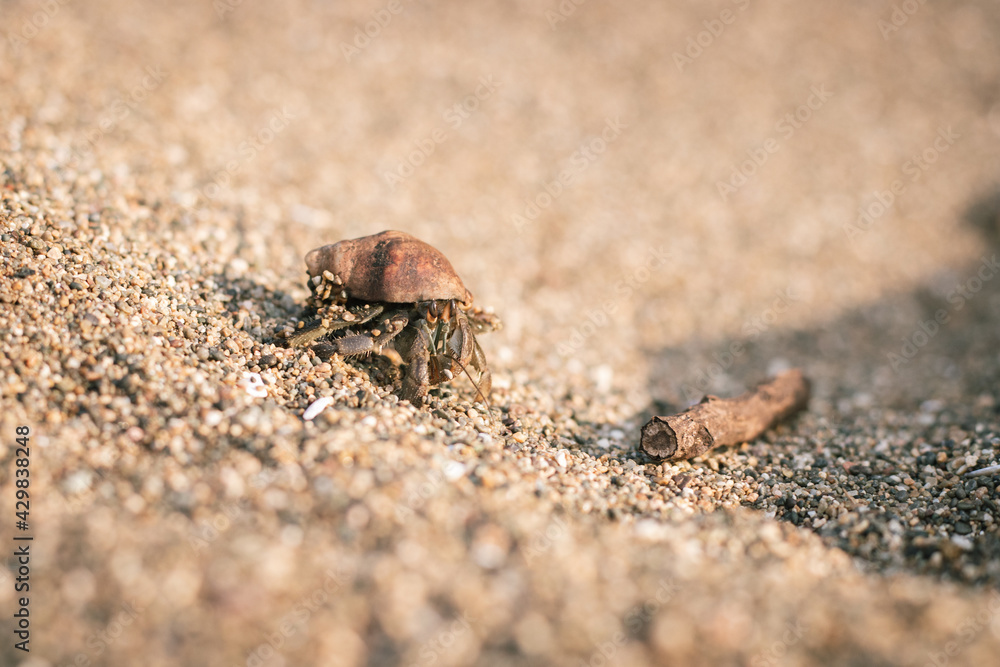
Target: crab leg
(460, 345)
(321, 327)
(417, 378)
(479, 363)
(308, 334)
(364, 343)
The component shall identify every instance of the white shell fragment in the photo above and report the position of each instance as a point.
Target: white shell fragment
(984, 471)
(254, 385)
(318, 406)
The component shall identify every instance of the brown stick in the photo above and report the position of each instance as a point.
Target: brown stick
(717, 422)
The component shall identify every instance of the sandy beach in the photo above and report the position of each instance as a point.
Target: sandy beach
(660, 202)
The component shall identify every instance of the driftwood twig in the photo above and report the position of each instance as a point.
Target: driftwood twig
(717, 422)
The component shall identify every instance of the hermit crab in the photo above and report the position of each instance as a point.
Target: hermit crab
(393, 294)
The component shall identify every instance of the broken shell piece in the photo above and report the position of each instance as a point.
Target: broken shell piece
(318, 406)
(254, 385)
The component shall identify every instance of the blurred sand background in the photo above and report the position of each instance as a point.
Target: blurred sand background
(191, 153)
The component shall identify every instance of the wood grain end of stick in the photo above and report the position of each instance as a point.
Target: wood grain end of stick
(718, 422)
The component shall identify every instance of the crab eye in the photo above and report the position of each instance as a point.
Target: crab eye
(431, 312)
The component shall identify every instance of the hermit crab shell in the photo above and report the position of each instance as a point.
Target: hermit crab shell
(392, 267)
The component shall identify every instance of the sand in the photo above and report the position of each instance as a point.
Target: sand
(658, 201)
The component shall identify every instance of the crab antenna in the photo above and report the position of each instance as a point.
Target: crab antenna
(486, 401)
